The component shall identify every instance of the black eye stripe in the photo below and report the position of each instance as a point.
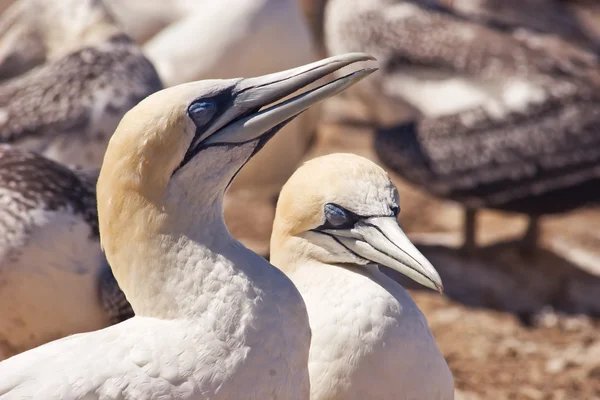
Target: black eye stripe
(350, 219)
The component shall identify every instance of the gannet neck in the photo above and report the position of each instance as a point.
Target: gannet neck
(172, 235)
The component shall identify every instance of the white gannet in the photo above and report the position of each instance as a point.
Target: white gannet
(499, 119)
(54, 278)
(336, 219)
(67, 108)
(213, 319)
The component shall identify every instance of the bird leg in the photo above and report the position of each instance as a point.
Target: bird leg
(470, 232)
(529, 242)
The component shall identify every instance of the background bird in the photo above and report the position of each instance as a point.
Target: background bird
(67, 108)
(55, 280)
(336, 222)
(501, 121)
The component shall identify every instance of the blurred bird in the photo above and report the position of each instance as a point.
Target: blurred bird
(213, 319)
(68, 107)
(551, 17)
(503, 121)
(336, 221)
(54, 279)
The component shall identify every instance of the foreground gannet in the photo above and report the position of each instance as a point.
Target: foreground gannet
(504, 121)
(213, 319)
(67, 108)
(336, 219)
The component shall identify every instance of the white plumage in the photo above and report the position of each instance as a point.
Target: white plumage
(370, 340)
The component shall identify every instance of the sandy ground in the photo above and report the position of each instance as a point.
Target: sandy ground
(510, 327)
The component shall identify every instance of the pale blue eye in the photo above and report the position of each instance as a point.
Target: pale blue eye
(335, 215)
(202, 112)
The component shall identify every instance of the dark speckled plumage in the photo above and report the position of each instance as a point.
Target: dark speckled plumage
(30, 182)
(539, 163)
(45, 184)
(83, 94)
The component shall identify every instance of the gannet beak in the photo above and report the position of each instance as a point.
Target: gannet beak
(382, 241)
(255, 93)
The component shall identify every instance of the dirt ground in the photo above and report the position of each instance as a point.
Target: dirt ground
(510, 327)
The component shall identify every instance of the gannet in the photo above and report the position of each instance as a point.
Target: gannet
(213, 319)
(498, 120)
(336, 221)
(54, 278)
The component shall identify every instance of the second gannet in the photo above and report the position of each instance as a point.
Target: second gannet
(336, 221)
(498, 120)
(54, 278)
(213, 319)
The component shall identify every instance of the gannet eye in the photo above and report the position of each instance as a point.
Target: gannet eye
(395, 210)
(338, 217)
(202, 112)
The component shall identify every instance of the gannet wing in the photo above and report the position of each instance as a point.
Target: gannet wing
(72, 94)
(553, 148)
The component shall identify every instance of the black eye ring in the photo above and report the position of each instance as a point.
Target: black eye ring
(395, 210)
(202, 112)
(338, 218)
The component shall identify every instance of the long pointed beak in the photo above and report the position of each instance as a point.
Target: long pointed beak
(255, 93)
(382, 241)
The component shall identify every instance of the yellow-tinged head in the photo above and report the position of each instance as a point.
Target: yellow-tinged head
(343, 209)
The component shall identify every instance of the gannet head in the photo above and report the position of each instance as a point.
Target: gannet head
(342, 209)
(172, 157)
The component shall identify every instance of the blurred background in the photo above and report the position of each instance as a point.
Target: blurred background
(485, 113)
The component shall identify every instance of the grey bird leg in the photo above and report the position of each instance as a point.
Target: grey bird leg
(470, 232)
(529, 242)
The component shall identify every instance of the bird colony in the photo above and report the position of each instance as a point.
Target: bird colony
(140, 138)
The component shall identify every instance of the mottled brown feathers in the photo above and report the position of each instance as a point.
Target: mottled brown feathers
(31, 181)
(546, 161)
(61, 96)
